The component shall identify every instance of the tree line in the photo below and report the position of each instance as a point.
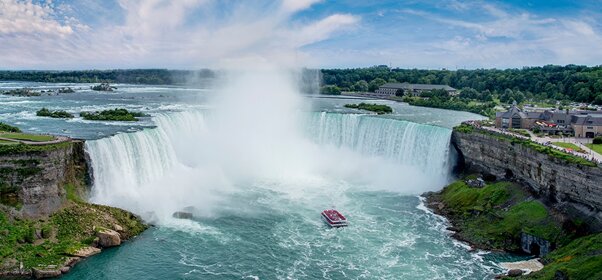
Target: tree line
(570, 82)
(127, 76)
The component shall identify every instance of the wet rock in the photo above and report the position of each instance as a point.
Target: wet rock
(454, 229)
(65, 269)
(182, 215)
(117, 227)
(108, 238)
(40, 273)
(561, 275)
(515, 272)
(86, 252)
(71, 261)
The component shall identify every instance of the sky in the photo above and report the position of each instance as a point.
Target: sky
(194, 34)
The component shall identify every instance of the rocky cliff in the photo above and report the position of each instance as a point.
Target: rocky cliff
(574, 189)
(34, 181)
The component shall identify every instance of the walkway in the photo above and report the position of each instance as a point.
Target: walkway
(547, 141)
(58, 139)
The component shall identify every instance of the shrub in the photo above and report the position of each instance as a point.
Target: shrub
(53, 114)
(8, 128)
(379, 109)
(597, 140)
(112, 115)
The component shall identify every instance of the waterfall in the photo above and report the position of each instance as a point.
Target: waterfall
(186, 161)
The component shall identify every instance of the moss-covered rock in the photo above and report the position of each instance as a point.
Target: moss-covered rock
(60, 236)
(581, 259)
(493, 217)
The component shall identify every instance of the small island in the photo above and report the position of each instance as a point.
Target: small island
(103, 87)
(60, 114)
(23, 92)
(377, 108)
(118, 114)
(65, 90)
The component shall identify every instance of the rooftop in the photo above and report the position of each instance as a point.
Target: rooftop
(416, 86)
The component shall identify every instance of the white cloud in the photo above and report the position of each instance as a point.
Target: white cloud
(179, 34)
(27, 17)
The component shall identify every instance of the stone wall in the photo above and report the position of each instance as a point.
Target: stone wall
(574, 189)
(32, 184)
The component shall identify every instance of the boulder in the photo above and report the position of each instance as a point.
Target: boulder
(39, 273)
(515, 272)
(117, 227)
(108, 238)
(182, 215)
(65, 269)
(71, 261)
(86, 252)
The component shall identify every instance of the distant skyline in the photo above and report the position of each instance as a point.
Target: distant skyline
(192, 34)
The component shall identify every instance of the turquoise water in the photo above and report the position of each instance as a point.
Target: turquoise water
(257, 192)
(389, 238)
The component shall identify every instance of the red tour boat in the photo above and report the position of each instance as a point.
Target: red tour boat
(333, 218)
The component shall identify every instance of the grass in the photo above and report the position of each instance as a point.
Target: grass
(494, 216)
(522, 132)
(63, 233)
(581, 259)
(569, 146)
(6, 142)
(596, 147)
(24, 148)
(28, 137)
(532, 145)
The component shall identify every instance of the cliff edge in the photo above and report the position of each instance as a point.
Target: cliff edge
(567, 183)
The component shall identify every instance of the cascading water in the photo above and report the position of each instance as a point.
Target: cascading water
(182, 162)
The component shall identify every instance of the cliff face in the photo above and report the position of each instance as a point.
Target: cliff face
(572, 188)
(35, 183)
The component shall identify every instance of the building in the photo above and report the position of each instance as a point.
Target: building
(580, 123)
(413, 89)
(588, 126)
(516, 118)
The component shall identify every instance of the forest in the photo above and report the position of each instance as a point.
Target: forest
(571, 82)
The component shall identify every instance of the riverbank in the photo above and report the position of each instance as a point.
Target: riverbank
(46, 226)
(503, 216)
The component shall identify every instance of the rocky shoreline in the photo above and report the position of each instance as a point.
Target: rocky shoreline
(46, 226)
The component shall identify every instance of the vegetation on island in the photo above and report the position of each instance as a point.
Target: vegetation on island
(23, 92)
(377, 108)
(112, 115)
(54, 114)
(103, 87)
(65, 90)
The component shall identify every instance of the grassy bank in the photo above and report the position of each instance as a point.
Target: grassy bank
(596, 147)
(581, 259)
(493, 217)
(40, 243)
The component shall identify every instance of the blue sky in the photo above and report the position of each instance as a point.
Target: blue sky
(189, 34)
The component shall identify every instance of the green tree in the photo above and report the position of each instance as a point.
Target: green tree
(330, 90)
(375, 84)
(361, 86)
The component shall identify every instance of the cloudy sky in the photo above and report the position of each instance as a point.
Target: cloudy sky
(191, 34)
